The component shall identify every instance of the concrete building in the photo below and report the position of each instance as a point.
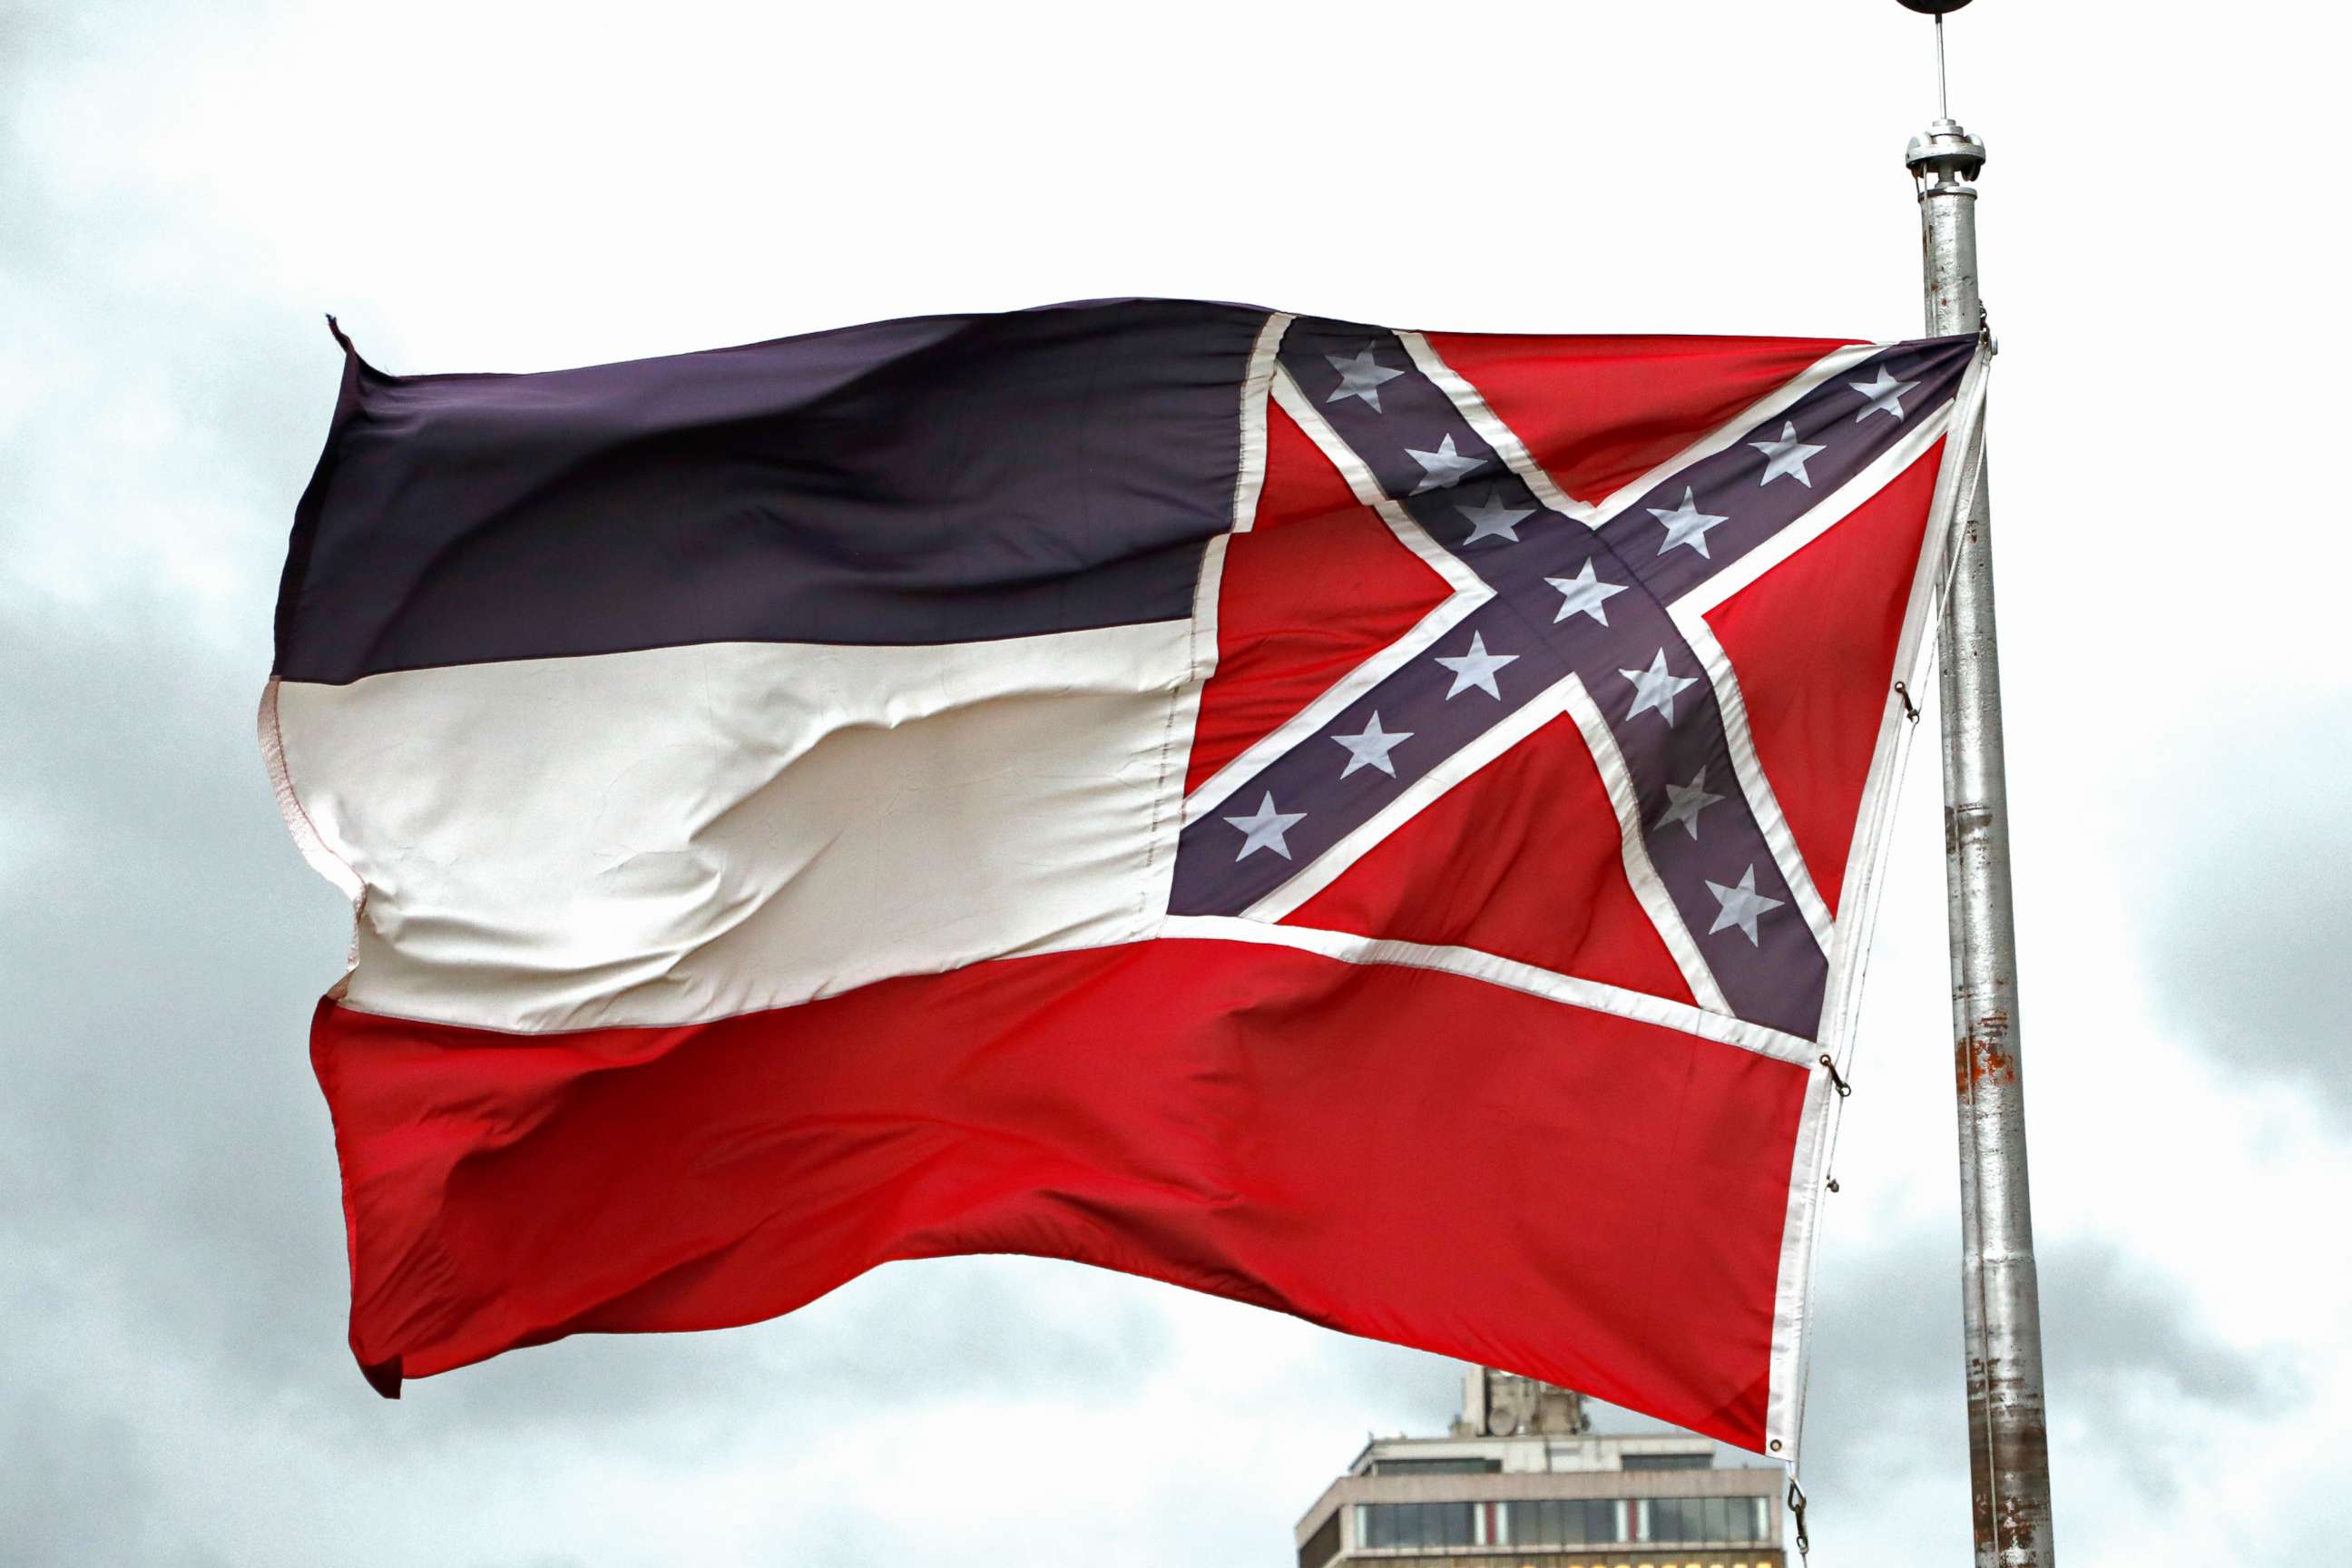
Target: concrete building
(1522, 1481)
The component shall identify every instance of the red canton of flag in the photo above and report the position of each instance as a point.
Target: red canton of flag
(1375, 825)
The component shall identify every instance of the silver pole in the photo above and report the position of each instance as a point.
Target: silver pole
(2008, 1455)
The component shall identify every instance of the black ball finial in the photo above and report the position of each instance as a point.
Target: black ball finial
(1932, 7)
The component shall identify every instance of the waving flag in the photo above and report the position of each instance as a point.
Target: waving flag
(1377, 824)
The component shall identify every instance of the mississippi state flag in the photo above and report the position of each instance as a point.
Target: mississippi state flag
(1377, 824)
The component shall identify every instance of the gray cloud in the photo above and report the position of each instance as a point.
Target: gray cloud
(80, 1488)
(1887, 1391)
(2248, 921)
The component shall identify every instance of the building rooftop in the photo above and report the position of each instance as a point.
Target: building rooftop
(1522, 1481)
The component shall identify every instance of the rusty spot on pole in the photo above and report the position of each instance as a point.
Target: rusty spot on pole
(1981, 1055)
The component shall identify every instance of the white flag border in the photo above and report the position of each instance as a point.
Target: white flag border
(1956, 484)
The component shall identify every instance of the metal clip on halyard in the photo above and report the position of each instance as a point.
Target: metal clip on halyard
(1843, 1088)
(1843, 1091)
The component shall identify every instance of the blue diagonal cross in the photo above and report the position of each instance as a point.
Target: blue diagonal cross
(1568, 598)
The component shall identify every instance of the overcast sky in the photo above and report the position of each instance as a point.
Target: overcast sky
(184, 187)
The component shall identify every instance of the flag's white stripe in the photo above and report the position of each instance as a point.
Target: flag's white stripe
(1474, 964)
(1414, 798)
(1834, 509)
(1773, 404)
(1624, 798)
(1250, 478)
(674, 834)
(1753, 784)
(1468, 593)
(1784, 1411)
(1493, 431)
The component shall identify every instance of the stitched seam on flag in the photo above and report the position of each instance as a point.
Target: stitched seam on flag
(1491, 429)
(1249, 472)
(1184, 714)
(1208, 589)
(1633, 844)
(1309, 721)
(1184, 710)
(1143, 898)
(309, 841)
(1474, 964)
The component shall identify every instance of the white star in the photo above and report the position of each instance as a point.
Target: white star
(1654, 687)
(1685, 524)
(1584, 592)
(1685, 801)
(1443, 468)
(1360, 377)
(1741, 905)
(1787, 456)
(1371, 748)
(1885, 393)
(1491, 517)
(1265, 829)
(1477, 668)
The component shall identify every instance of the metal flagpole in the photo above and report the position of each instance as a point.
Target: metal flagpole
(2009, 1456)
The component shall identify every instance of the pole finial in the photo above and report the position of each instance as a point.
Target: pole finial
(1944, 158)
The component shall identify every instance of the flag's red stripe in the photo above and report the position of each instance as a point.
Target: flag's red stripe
(1411, 1156)
(1817, 685)
(1599, 412)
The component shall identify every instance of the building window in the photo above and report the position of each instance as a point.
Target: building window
(1564, 1521)
(1383, 1524)
(1668, 1461)
(1436, 1466)
(1715, 1520)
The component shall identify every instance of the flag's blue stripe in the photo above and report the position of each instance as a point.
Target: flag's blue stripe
(937, 480)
